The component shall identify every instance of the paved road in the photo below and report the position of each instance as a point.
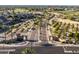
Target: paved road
(33, 37)
(45, 50)
(43, 31)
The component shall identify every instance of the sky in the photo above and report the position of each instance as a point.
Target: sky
(39, 2)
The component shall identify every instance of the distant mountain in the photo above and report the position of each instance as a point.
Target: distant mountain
(38, 6)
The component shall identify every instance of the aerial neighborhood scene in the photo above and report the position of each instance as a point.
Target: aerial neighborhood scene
(39, 29)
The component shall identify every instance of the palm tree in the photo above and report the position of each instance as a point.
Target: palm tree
(11, 32)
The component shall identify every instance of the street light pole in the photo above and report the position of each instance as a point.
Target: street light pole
(5, 37)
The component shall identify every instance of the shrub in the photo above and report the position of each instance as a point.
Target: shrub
(28, 51)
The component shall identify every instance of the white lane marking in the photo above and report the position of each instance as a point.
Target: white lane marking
(65, 51)
(6, 50)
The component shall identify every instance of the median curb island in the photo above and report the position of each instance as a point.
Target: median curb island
(68, 45)
(13, 45)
